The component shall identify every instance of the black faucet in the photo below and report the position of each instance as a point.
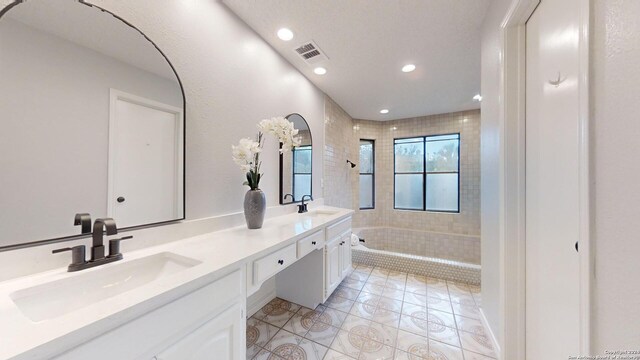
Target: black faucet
(302, 208)
(84, 220)
(288, 195)
(97, 249)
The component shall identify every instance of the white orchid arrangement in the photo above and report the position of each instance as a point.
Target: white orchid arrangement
(247, 153)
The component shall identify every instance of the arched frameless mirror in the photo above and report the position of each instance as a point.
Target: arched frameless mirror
(295, 165)
(93, 122)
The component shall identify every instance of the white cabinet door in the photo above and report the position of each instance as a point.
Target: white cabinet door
(221, 338)
(345, 258)
(333, 271)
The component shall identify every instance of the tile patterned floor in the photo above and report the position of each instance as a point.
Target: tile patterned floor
(375, 314)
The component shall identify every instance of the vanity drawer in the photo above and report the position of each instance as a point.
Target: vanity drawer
(273, 263)
(338, 229)
(310, 243)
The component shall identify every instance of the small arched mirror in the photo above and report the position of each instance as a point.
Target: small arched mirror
(295, 165)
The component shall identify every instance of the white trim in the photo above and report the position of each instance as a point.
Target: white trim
(114, 96)
(512, 177)
(260, 298)
(512, 186)
(492, 336)
(586, 255)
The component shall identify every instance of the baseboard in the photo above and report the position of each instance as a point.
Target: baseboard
(492, 336)
(260, 298)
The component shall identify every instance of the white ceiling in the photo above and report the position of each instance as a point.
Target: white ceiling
(91, 28)
(368, 42)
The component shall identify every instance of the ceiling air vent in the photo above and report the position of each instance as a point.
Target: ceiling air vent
(310, 53)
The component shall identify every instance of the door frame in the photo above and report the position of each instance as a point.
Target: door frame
(512, 193)
(116, 95)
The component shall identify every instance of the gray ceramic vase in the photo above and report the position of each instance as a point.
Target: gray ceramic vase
(255, 206)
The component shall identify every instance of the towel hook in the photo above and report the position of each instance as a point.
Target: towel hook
(559, 81)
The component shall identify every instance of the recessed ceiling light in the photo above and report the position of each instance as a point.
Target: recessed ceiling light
(320, 71)
(478, 97)
(384, 111)
(285, 34)
(408, 68)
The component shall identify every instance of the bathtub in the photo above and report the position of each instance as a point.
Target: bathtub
(445, 256)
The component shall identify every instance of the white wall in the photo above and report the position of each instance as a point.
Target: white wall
(615, 81)
(55, 129)
(232, 80)
(490, 170)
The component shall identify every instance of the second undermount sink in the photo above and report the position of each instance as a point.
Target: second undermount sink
(321, 213)
(60, 297)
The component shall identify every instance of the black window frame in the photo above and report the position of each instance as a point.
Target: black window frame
(293, 169)
(372, 174)
(424, 172)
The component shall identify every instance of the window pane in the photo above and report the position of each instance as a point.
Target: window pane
(302, 160)
(301, 186)
(442, 155)
(409, 157)
(408, 140)
(408, 191)
(366, 156)
(443, 137)
(442, 192)
(366, 191)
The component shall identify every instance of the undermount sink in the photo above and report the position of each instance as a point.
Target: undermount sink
(321, 213)
(60, 297)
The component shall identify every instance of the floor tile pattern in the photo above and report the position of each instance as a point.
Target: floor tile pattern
(378, 314)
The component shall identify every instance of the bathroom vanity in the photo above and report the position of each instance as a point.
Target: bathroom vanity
(178, 300)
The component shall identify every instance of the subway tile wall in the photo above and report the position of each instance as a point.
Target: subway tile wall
(339, 178)
(467, 222)
(446, 235)
(431, 267)
(463, 248)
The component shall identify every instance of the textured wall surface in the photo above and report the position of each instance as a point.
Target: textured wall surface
(462, 248)
(339, 176)
(615, 84)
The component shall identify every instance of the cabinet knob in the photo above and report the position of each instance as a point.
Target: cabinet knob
(120, 199)
(281, 262)
(313, 243)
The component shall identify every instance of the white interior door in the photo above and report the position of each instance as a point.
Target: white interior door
(552, 181)
(145, 161)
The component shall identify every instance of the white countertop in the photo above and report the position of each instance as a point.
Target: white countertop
(219, 252)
